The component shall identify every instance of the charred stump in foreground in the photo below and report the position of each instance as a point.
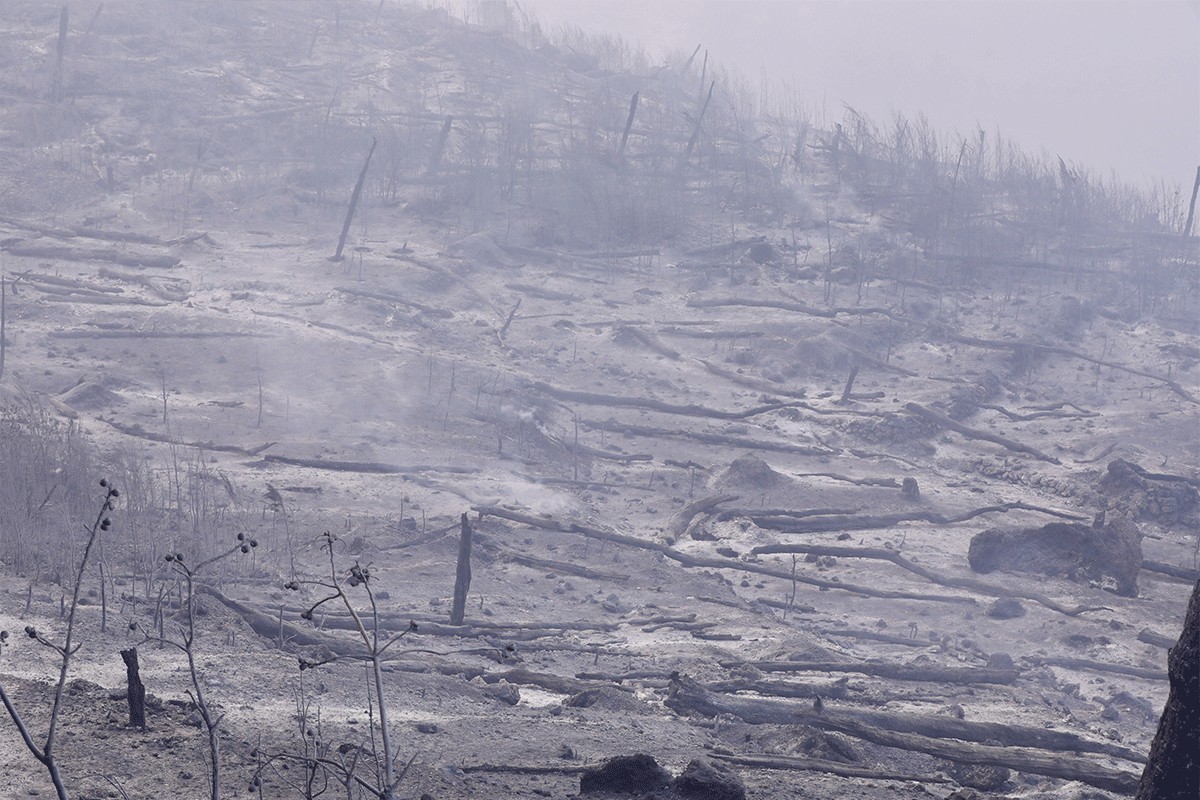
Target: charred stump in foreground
(1174, 767)
(136, 693)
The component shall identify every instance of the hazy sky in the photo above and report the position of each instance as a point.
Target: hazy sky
(1110, 84)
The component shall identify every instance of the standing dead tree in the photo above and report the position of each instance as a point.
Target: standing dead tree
(354, 198)
(462, 580)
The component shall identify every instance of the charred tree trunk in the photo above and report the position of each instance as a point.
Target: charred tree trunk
(354, 197)
(1187, 228)
(633, 103)
(1174, 767)
(462, 579)
(136, 693)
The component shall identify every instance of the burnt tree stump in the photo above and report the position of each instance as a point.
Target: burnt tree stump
(136, 693)
(462, 578)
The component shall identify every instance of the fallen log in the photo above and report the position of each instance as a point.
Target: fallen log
(681, 519)
(718, 439)
(823, 765)
(577, 570)
(1100, 666)
(1055, 412)
(114, 256)
(370, 467)
(396, 300)
(751, 383)
(141, 433)
(687, 560)
(648, 340)
(974, 433)
(904, 731)
(817, 522)
(875, 637)
(123, 333)
(541, 292)
(650, 404)
(970, 584)
(270, 627)
(1157, 639)
(1185, 574)
(799, 308)
(920, 674)
(836, 689)
(97, 299)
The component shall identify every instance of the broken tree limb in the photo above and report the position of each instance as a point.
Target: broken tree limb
(937, 736)
(969, 584)
(681, 519)
(354, 197)
(687, 560)
(974, 433)
(650, 404)
(799, 308)
(718, 439)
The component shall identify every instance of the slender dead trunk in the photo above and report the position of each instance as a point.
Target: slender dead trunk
(633, 103)
(362, 177)
(1187, 228)
(439, 146)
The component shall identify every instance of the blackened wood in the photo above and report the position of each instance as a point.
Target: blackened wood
(136, 693)
(462, 578)
(354, 197)
(1173, 770)
(633, 103)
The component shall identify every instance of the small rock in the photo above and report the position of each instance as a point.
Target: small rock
(505, 692)
(1006, 608)
(703, 780)
(1000, 661)
(980, 776)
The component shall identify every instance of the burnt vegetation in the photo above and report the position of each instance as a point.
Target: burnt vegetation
(498, 412)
